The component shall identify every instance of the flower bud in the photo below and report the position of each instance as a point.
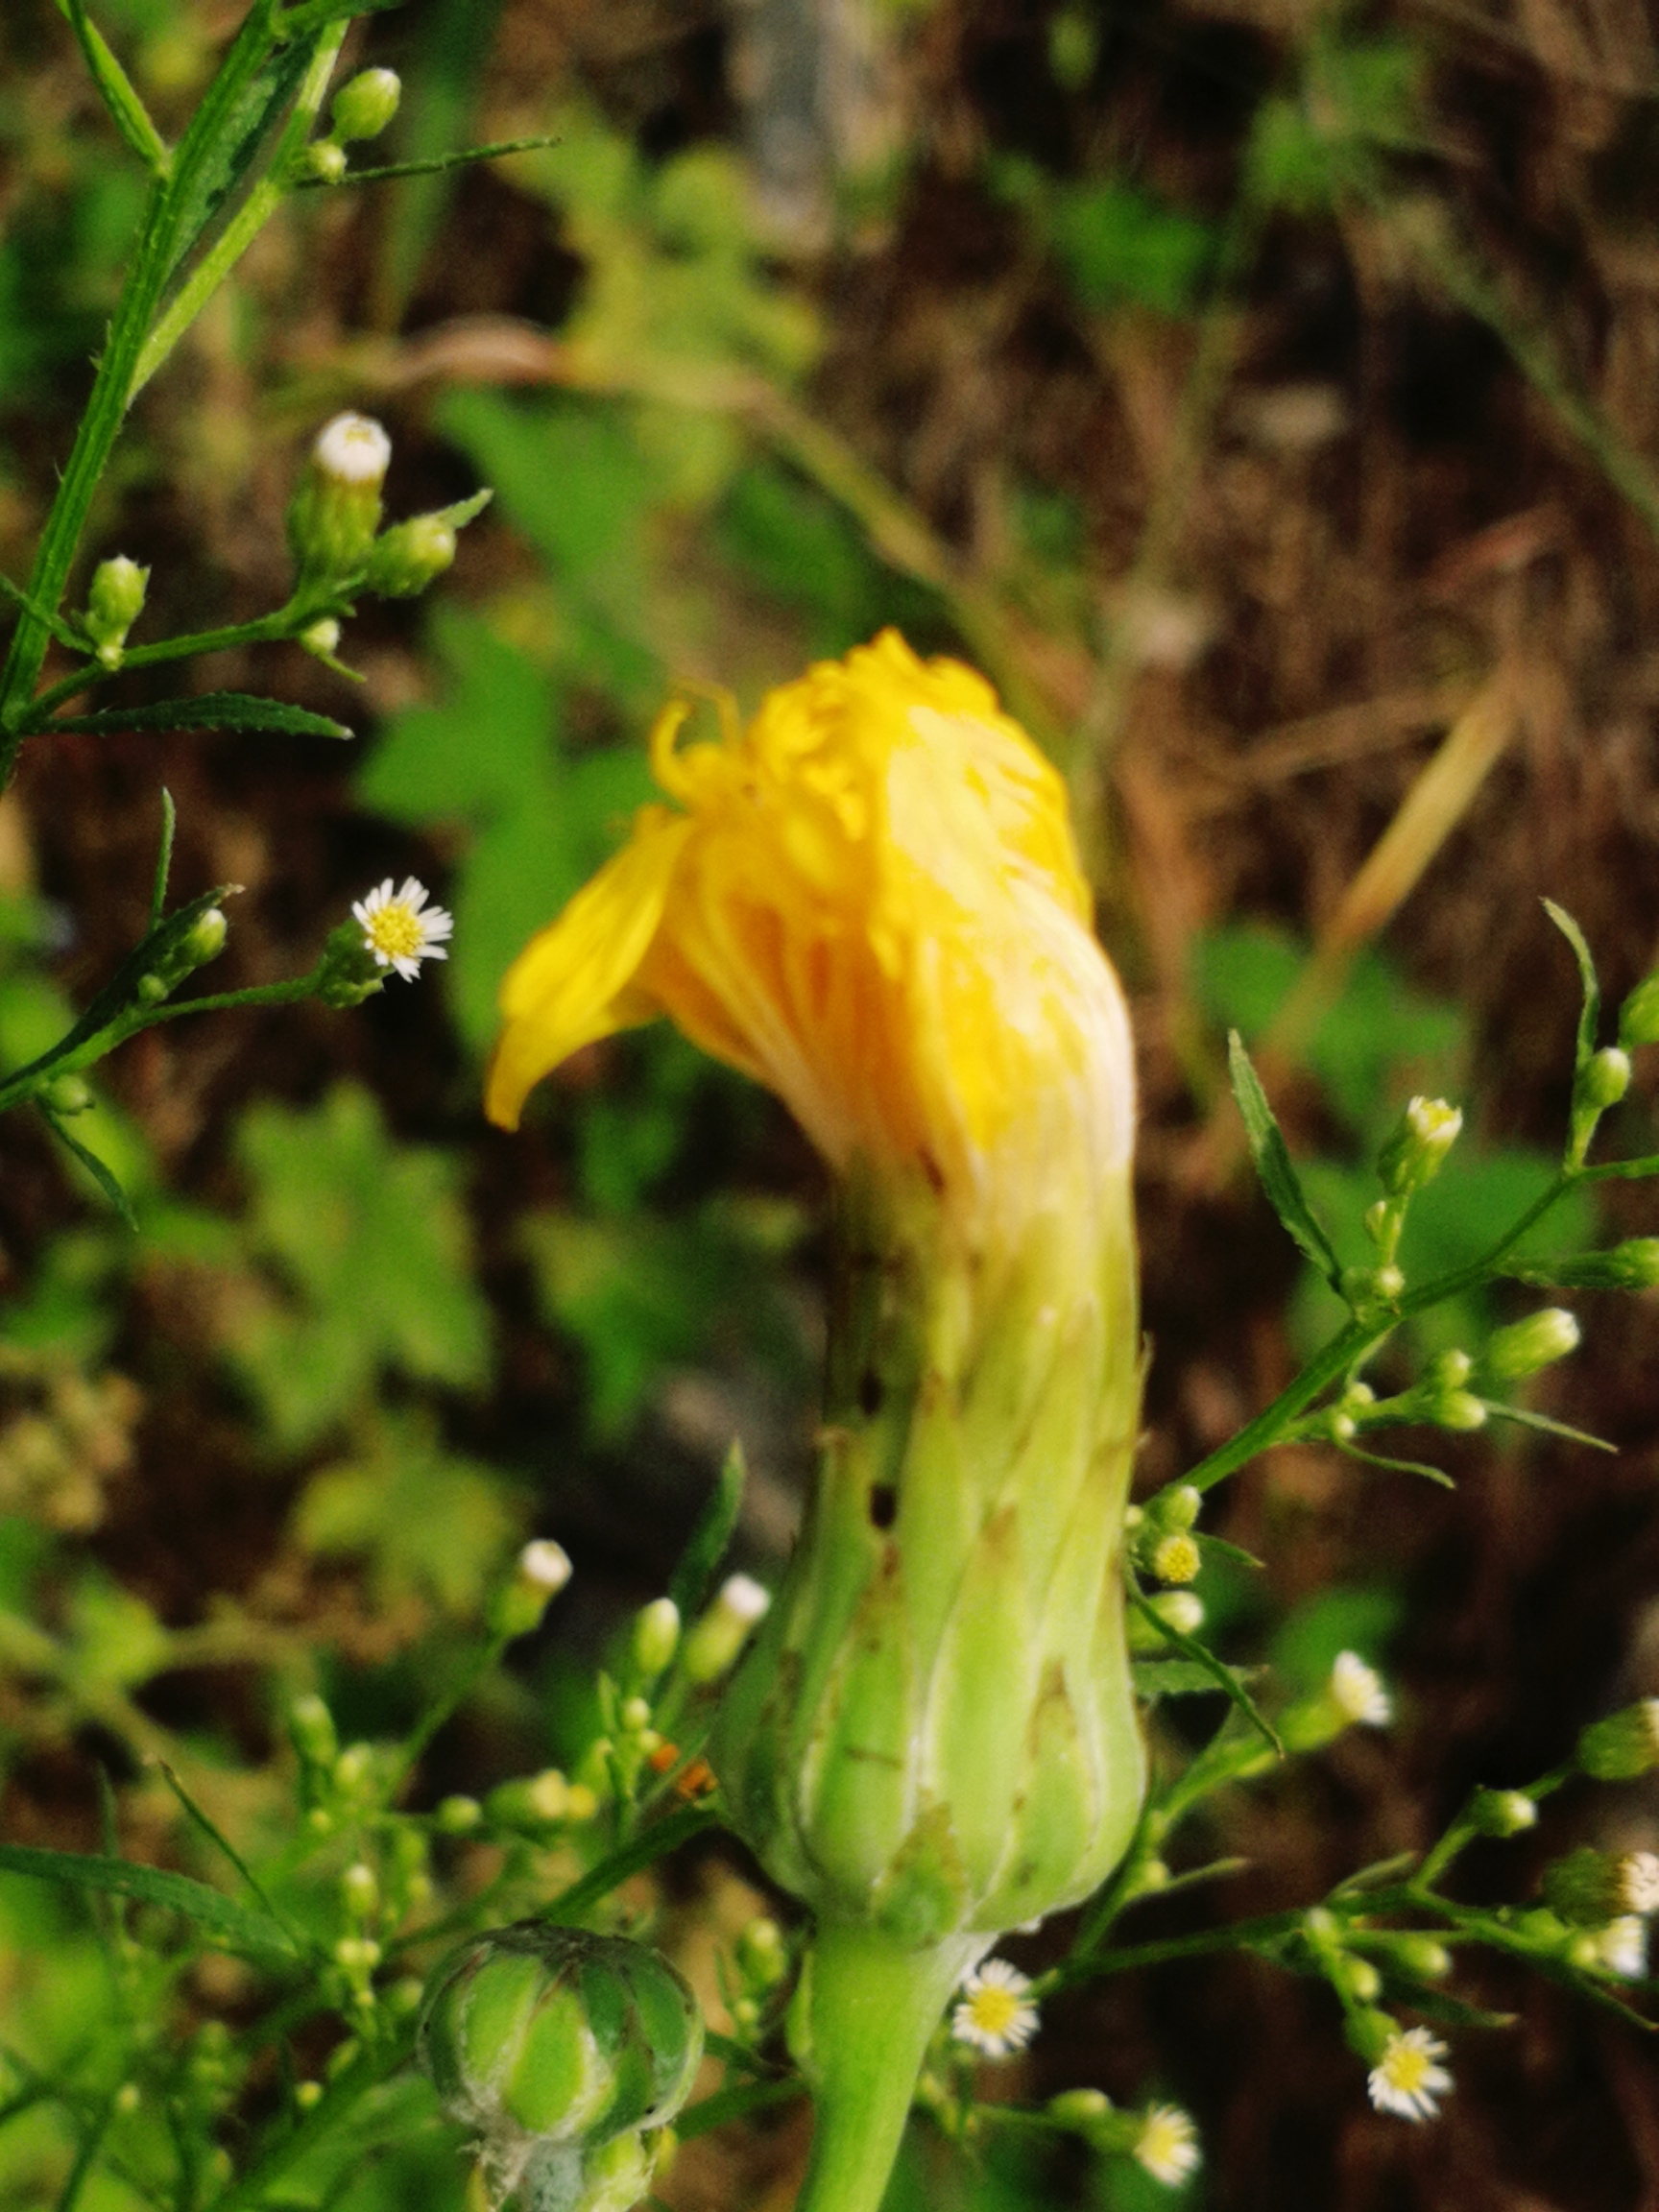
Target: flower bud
(366, 105)
(1353, 1694)
(69, 1094)
(323, 161)
(311, 1731)
(1457, 1410)
(530, 1804)
(717, 1639)
(360, 1890)
(1619, 1948)
(1176, 1509)
(321, 639)
(349, 971)
(1522, 1349)
(1415, 1153)
(656, 1637)
(114, 602)
(458, 1815)
(763, 1954)
(553, 2044)
(1632, 1266)
(1502, 1812)
(1079, 2110)
(1602, 1081)
(1182, 1609)
(205, 940)
(1589, 1888)
(543, 1570)
(1639, 1016)
(1623, 1745)
(335, 509)
(1369, 2034)
(409, 556)
(1417, 1957)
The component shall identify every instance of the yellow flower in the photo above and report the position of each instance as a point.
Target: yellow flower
(870, 901)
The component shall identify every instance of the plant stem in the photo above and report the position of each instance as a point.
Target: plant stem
(871, 2008)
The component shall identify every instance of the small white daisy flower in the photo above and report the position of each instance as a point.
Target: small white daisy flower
(354, 449)
(995, 2014)
(1359, 1691)
(545, 1565)
(1168, 2144)
(402, 930)
(1409, 2077)
(1622, 1947)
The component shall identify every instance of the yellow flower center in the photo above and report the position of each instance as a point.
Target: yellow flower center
(1406, 2067)
(394, 930)
(993, 2011)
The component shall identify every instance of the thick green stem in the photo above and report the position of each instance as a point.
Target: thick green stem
(870, 2008)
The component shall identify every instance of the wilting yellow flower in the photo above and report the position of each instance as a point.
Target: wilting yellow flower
(871, 901)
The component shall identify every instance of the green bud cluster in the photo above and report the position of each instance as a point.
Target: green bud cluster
(1521, 1350)
(1416, 1151)
(555, 2046)
(202, 942)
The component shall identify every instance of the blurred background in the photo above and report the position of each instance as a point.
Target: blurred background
(1266, 396)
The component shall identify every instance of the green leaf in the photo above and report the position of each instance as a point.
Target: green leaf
(1221, 1677)
(126, 111)
(1157, 1678)
(572, 1906)
(209, 711)
(240, 139)
(1116, 242)
(433, 1525)
(372, 1246)
(1590, 1012)
(1273, 1164)
(255, 1934)
(94, 1166)
(700, 1562)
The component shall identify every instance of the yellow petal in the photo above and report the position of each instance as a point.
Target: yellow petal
(574, 982)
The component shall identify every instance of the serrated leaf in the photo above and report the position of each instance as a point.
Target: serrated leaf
(1590, 1012)
(208, 710)
(1158, 1678)
(432, 1524)
(253, 1934)
(239, 139)
(371, 1240)
(700, 1561)
(1273, 1164)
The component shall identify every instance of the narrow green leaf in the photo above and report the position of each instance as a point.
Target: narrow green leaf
(119, 993)
(221, 1843)
(212, 711)
(1273, 1164)
(1224, 1679)
(1525, 1418)
(94, 1166)
(253, 1934)
(1592, 1006)
(86, 2157)
(1437, 1474)
(64, 632)
(1158, 1678)
(126, 111)
(700, 1561)
(163, 858)
(568, 1908)
(241, 138)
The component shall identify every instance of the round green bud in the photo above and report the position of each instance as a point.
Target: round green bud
(409, 556)
(205, 940)
(151, 990)
(458, 1815)
(548, 2041)
(1455, 1409)
(1590, 1887)
(1419, 1958)
(321, 638)
(1447, 1371)
(763, 1954)
(1176, 1509)
(1602, 1081)
(1639, 1016)
(716, 1640)
(543, 1568)
(69, 1094)
(1500, 1813)
(360, 1890)
(530, 1804)
(1623, 1745)
(1081, 2110)
(325, 160)
(364, 107)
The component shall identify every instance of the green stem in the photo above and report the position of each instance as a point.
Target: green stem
(249, 220)
(165, 238)
(871, 2008)
(264, 630)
